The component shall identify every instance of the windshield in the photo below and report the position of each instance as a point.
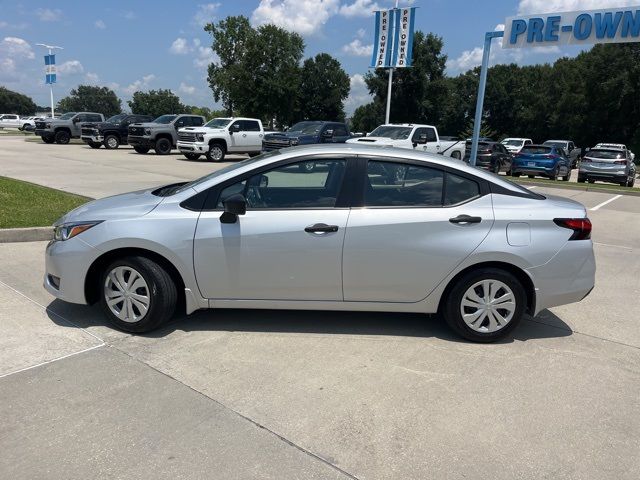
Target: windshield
(536, 150)
(395, 133)
(606, 154)
(218, 123)
(67, 116)
(551, 143)
(165, 119)
(222, 171)
(513, 143)
(308, 128)
(117, 118)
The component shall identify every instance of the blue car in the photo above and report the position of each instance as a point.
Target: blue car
(541, 160)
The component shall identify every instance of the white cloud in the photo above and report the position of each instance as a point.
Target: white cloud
(358, 49)
(14, 47)
(204, 55)
(205, 14)
(188, 89)
(70, 67)
(129, 15)
(140, 84)
(100, 24)
(92, 77)
(305, 17)
(49, 15)
(361, 33)
(359, 8)
(180, 46)
(358, 93)
(527, 7)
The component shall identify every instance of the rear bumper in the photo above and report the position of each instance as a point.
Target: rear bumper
(603, 175)
(533, 170)
(567, 278)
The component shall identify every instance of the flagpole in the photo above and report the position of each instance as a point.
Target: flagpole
(391, 36)
(50, 48)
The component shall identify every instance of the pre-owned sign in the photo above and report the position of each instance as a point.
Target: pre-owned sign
(612, 25)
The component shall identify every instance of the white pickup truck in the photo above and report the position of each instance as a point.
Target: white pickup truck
(412, 136)
(221, 136)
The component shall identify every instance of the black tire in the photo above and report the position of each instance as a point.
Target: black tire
(95, 144)
(531, 176)
(192, 156)
(216, 152)
(48, 139)
(254, 154)
(62, 137)
(565, 178)
(451, 305)
(581, 179)
(632, 182)
(161, 290)
(496, 168)
(111, 142)
(141, 149)
(556, 173)
(515, 174)
(163, 146)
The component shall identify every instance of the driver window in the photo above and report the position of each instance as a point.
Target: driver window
(308, 184)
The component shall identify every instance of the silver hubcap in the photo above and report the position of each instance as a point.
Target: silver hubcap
(112, 142)
(215, 152)
(127, 294)
(488, 306)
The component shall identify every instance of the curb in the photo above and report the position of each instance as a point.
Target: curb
(633, 192)
(31, 234)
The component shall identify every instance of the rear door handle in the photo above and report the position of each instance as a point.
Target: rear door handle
(465, 219)
(321, 228)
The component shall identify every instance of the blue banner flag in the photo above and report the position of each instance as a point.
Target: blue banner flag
(50, 69)
(381, 57)
(403, 37)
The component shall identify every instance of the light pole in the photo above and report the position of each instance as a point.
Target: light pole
(51, 69)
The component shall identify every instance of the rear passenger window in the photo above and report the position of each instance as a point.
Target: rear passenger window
(460, 189)
(196, 122)
(391, 184)
(249, 126)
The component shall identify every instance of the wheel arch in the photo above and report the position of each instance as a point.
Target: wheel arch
(91, 283)
(516, 271)
(219, 141)
(59, 129)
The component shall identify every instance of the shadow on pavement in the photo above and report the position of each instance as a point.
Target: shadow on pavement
(299, 321)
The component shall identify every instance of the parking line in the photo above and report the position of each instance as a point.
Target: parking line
(606, 202)
(531, 188)
(52, 360)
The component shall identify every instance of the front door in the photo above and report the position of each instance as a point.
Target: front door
(411, 235)
(288, 245)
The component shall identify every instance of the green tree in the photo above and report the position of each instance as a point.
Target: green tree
(16, 103)
(206, 112)
(156, 103)
(324, 86)
(367, 117)
(89, 98)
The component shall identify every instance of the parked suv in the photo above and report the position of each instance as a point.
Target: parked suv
(112, 133)
(608, 163)
(221, 136)
(543, 160)
(570, 150)
(305, 133)
(66, 127)
(492, 156)
(162, 133)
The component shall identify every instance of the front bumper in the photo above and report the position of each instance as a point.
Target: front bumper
(44, 133)
(192, 147)
(66, 267)
(140, 142)
(92, 138)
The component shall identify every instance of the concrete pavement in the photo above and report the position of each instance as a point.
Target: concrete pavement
(374, 395)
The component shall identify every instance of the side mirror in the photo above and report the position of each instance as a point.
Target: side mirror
(422, 139)
(234, 128)
(327, 133)
(76, 119)
(233, 206)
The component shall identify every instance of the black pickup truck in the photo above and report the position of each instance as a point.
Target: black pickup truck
(113, 132)
(306, 133)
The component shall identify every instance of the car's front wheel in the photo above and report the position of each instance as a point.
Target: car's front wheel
(137, 294)
(485, 305)
(62, 137)
(111, 142)
(216, 152)
(163, 146)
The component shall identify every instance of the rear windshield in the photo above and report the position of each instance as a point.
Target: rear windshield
(536, 150)
(606, 154)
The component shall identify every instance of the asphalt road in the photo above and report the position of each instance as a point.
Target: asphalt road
(286, 394)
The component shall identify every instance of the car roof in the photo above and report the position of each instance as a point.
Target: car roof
(619, 146)
(561, 141)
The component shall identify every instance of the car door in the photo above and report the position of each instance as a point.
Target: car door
(411, 233)
(432, 144)
(238, 141)
(252, 135)
(288, 245)
(340, 134)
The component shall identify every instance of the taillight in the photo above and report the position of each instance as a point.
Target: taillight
(581, 227)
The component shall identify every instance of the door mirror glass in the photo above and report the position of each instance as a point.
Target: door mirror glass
(233, 206)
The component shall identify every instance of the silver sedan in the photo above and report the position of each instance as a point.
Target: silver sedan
(329, 227)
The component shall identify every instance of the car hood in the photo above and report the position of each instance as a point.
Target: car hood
(126, 205)
(373, 140)
(292, 135)
(151, 125)
(202, 130)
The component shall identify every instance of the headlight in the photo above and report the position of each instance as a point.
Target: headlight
(147, 131)
(200, 138)
(70, 230)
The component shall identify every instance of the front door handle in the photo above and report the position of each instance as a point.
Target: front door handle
(321, 228)
(465, 219)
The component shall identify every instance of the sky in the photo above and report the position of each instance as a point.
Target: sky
(142, 45)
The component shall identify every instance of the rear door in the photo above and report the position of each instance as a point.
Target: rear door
(252, 135)
(410, 234)
(288, 245)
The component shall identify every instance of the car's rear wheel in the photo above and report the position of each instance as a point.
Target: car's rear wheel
(137, 294)
(632, 182)
(556, 173)
(496, 168)
(192, 156)
(111, 142)
(216, 152)
(163, 146)
(141, 149)
(581, 179)
(485, 305)
(531, 176)
(62, 137)
(95, 144)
